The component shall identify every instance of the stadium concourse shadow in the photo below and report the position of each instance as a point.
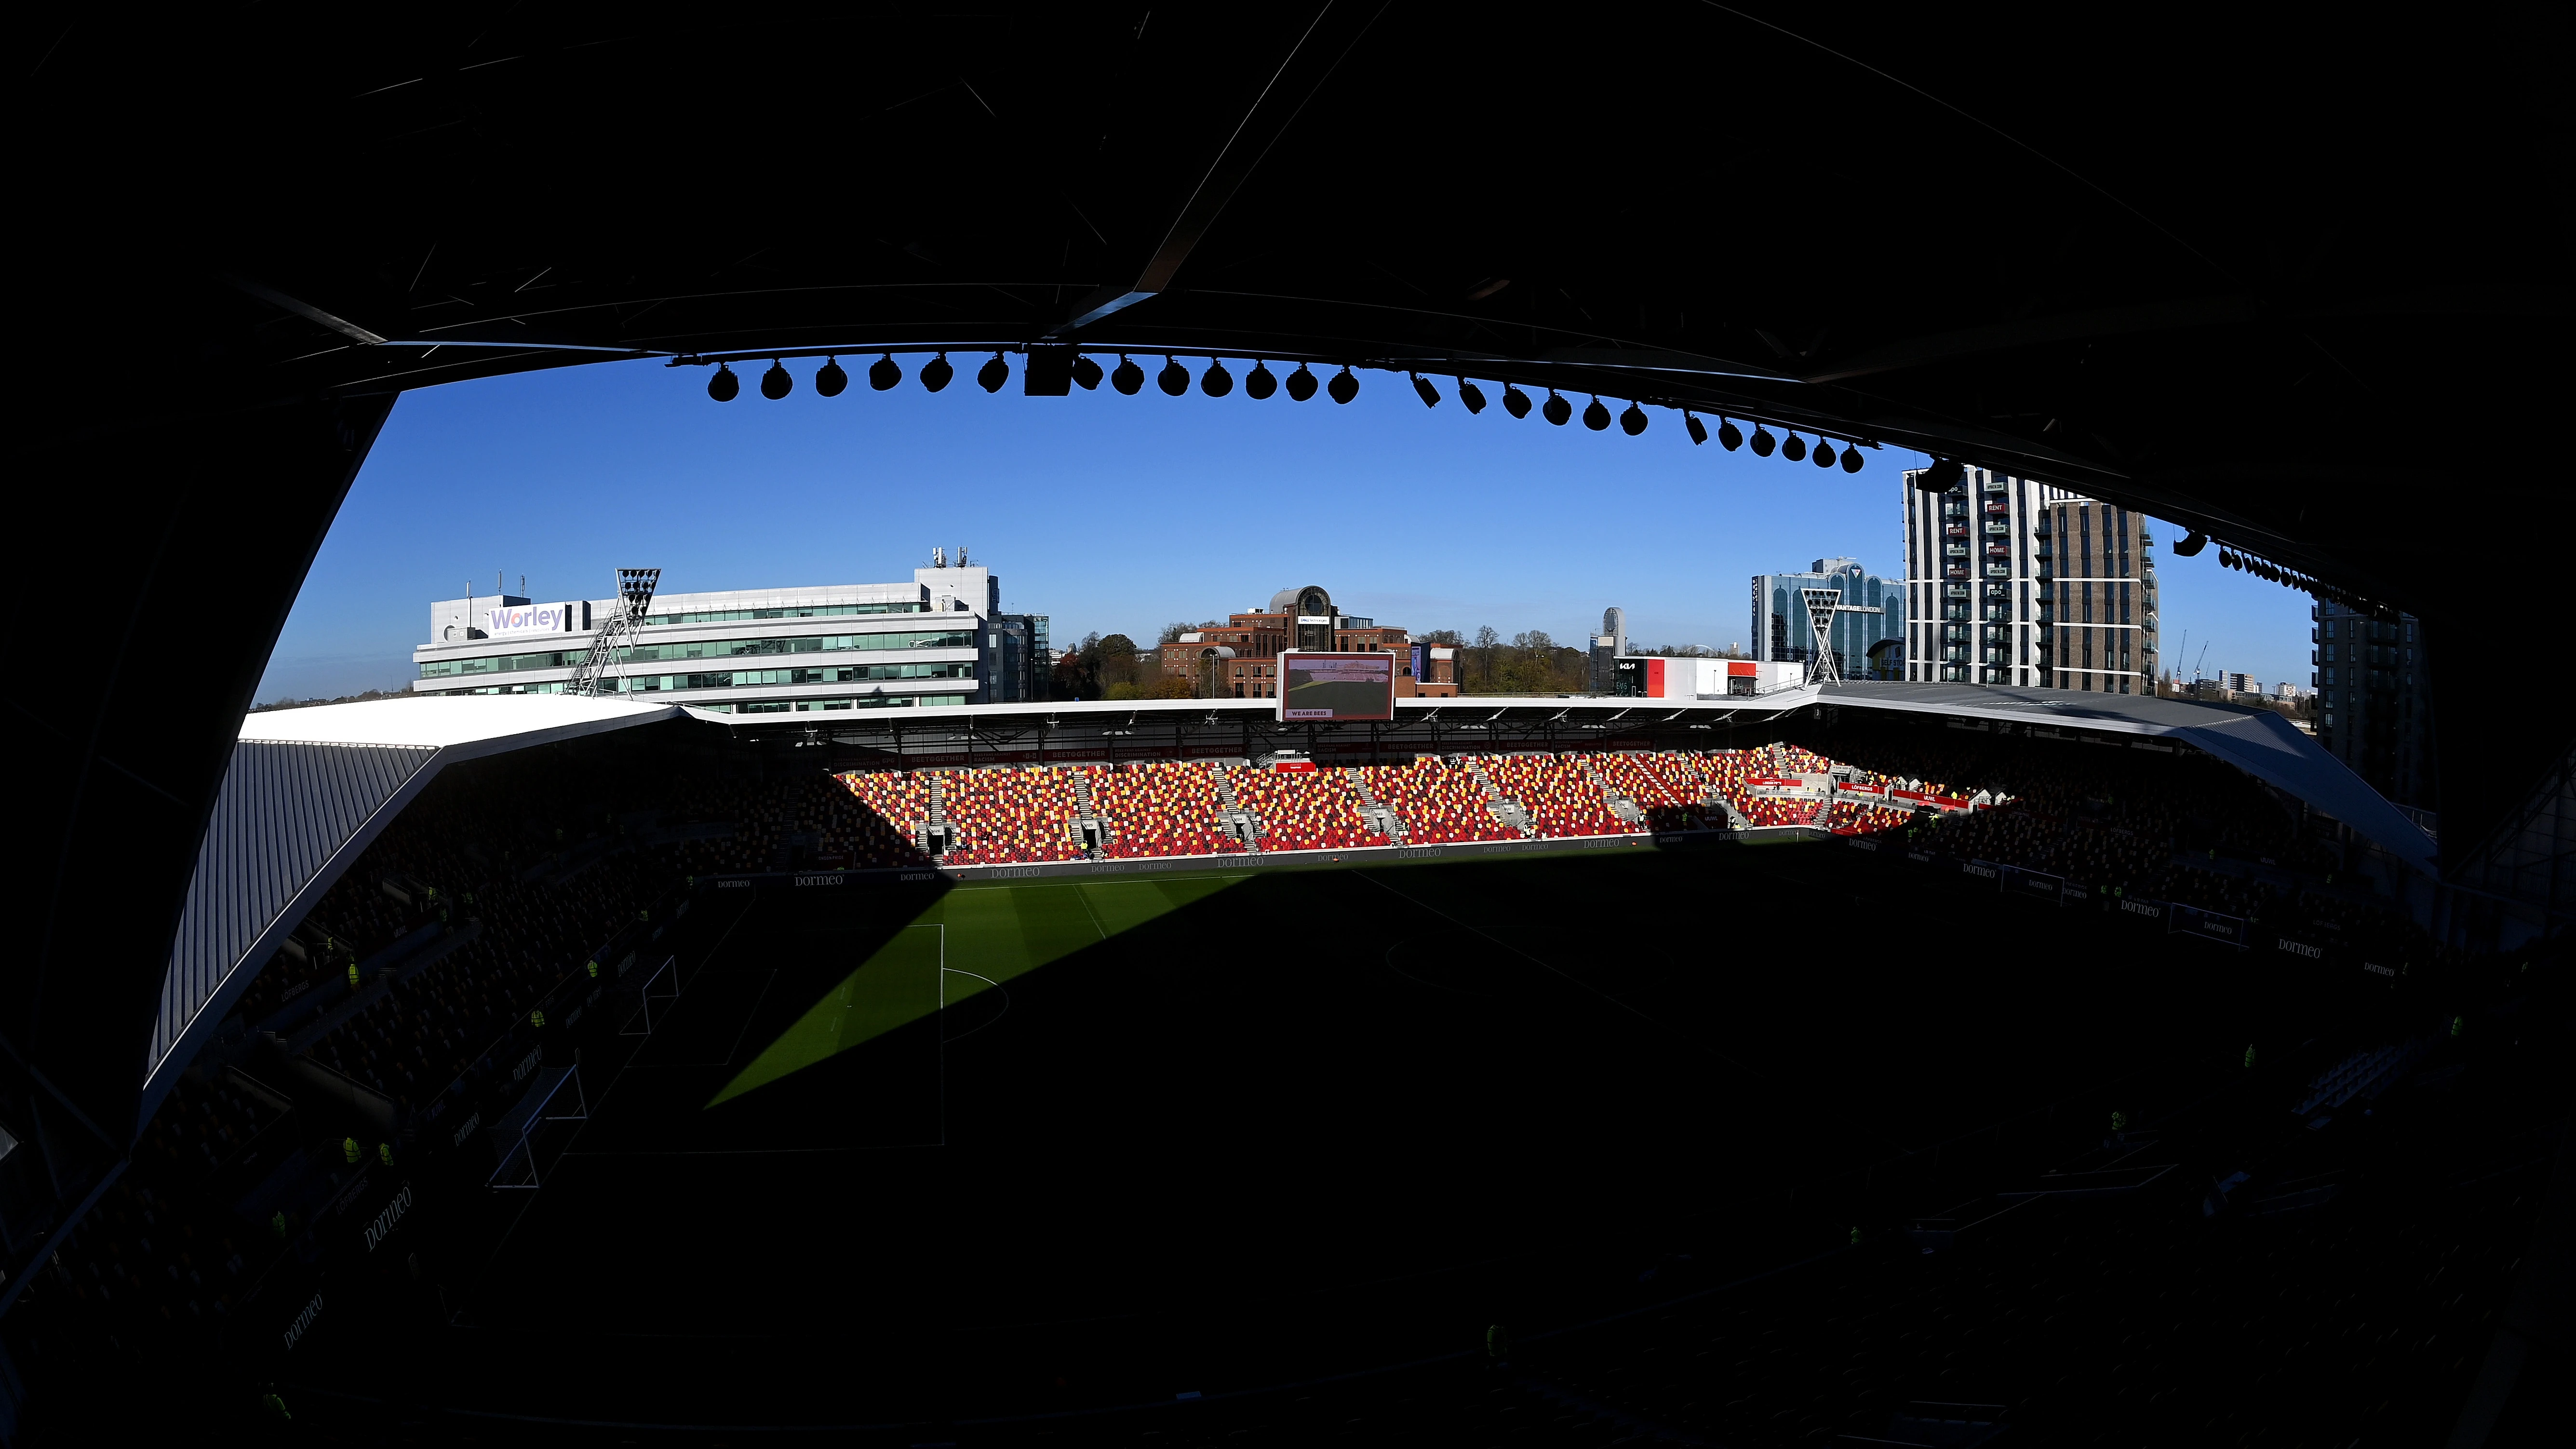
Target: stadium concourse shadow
(1272, 1127)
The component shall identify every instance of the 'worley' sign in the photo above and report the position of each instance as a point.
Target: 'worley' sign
(533, 619)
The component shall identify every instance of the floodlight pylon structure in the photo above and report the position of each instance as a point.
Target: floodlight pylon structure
(603, 667)
(1822, 605)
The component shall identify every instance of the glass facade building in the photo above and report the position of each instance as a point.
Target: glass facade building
(938, 640)
(1782, 633)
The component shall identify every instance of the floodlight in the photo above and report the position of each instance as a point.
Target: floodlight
(1216, 381)
(724, 386)
(1729, 436)
(1595, 416)
(935, 375)
(993, 374)
(884, 373)
(1824, 453)
(1423, 389)
(1301, 384)
(1174, 379)
(1343, 387)
(1260, 382)
(1697, 429)
(1633, 421)
(831, 379)
(1941, 477)
(1515, 401)
(1851, 458)
(1471, 395)
(1556, 409)
(776, 383)
(1763, 442)
(1129, 378)
(2191, 545)
(1794, 449)
(1086, 373)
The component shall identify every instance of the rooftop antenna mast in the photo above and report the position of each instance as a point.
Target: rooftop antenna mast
(603, 667)
(1822, 605)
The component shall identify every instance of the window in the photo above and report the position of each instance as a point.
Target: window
(808, 611)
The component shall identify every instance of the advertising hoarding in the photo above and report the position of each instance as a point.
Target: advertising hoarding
(1331, 688)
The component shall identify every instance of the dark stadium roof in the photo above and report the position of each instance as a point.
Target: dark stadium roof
(307, 792)
(2303, 284)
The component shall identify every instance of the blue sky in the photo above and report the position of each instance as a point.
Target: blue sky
(1111, 513)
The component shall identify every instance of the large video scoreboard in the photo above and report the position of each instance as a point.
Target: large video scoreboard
(1333, 688)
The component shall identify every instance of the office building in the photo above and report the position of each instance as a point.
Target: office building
(2373, 710)
(1782, 633)
(941, 639)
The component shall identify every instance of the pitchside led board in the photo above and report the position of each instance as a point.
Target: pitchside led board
(1333, 688)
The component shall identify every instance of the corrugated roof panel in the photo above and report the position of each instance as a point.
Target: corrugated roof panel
(284, 811)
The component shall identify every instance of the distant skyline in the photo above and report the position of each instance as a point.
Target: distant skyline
(1115, 514)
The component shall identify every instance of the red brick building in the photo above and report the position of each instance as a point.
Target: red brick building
(1245, 652)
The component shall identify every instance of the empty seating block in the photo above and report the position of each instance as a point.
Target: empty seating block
(1561, 798)
(1163, 807)
(1012, 816)
(1304, 809)
(1439, 802)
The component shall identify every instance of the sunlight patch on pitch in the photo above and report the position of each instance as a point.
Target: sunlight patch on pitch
(994, 932)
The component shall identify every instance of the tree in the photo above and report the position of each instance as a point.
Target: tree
(1119, 663)
(1445, 638)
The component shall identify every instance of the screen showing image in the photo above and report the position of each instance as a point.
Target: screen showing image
(1337, 686)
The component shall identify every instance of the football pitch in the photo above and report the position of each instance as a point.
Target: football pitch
(1019, 1144)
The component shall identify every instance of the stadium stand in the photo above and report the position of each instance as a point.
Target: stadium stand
(1796, 760)
(1669, 786)
(1439, 801)
(1304, 809)
(1012, 816)
(1857, 817)
(1560, 795)
(1160, 807)
(1763, 811)
(2123, 823)
(414, 996)
(464, 919)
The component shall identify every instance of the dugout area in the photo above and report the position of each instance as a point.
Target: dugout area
(1139, 1153)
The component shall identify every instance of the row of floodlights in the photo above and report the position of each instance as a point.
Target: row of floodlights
(2238, 559)
(885, 374)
